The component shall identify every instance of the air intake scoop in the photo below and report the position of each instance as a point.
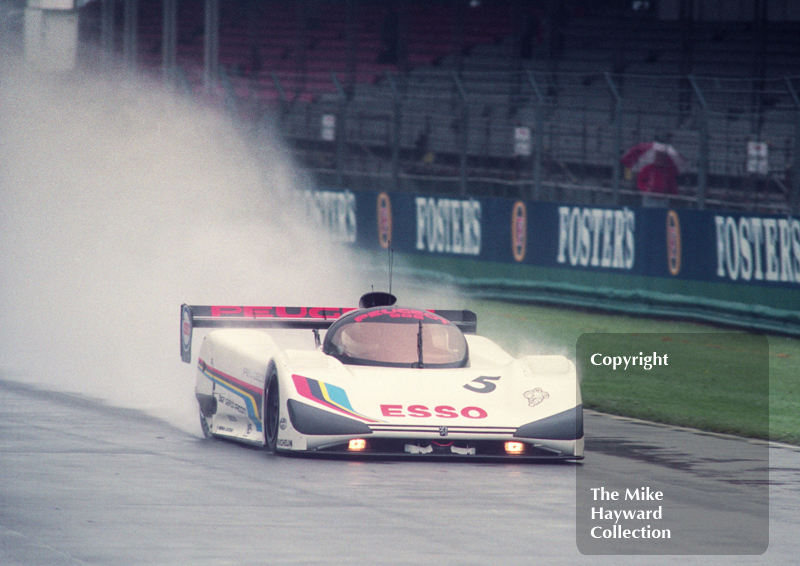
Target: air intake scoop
(376, 299)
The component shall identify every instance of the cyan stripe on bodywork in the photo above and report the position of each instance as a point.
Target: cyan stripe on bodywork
(252, 400)
(327, 395)
(337, 396)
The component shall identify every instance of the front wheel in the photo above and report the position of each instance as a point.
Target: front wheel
(272, 412)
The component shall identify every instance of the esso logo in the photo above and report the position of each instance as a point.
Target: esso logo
(440, 411)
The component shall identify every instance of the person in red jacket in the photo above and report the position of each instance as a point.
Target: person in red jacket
(656, 172)
(660, 177)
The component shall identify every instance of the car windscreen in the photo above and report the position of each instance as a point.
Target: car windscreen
(397, 337)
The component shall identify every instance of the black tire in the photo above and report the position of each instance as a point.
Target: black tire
(272, 411)
(205, 426)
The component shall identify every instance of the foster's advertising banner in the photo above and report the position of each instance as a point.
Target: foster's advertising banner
(747, 259)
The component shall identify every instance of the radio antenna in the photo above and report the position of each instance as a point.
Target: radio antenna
(391, 265)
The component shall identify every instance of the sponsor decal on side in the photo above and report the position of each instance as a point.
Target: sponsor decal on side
(536, 396)
(596, 237)
(448, 226)
(519, 230)
(384, 220)
(232, 404)
(334, 212)
(253, 374)
(673, 243)
(243, 392)
(753, 248)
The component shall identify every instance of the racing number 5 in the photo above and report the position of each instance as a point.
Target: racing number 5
(486, 384)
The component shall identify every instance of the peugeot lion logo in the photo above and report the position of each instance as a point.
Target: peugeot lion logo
(442, 431)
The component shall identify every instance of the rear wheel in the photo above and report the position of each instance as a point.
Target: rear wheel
(205, 425)
(272, 412)
(208, 407)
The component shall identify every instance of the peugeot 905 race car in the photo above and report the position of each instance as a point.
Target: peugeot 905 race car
(384, 380)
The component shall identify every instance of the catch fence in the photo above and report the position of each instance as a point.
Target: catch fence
(542, 135)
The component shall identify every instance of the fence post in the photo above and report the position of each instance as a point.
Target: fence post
(211, 44)
(283, 103)
(463, 131)
(538, 139)
(702, 157)
(794, 188)
(169, 40)
(617, 165)
(396, 124)
(129, 38)
(340, 132)
(107, 18)
(181, 82)
(227, 86)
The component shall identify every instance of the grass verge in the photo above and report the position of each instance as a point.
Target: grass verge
(718, 385)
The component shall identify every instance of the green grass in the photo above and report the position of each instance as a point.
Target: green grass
(715, 383)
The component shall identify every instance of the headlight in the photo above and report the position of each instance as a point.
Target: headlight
(357, 445)
(515, 447)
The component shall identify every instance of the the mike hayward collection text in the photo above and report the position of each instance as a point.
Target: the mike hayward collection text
(614, 516)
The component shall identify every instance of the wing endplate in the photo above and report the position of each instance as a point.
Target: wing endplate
(465, 320)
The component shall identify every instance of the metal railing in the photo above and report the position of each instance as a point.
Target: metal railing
(539, 135)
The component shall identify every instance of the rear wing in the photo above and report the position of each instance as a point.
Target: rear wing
(466, 320)
(203, 316)
(210, 316)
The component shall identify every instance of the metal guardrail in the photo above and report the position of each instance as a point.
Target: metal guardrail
(537, 134)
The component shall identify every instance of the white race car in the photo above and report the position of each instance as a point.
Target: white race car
(385, 380)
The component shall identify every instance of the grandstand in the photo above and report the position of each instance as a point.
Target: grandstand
(429, 95)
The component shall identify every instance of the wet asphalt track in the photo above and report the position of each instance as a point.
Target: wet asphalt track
(82, 483)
